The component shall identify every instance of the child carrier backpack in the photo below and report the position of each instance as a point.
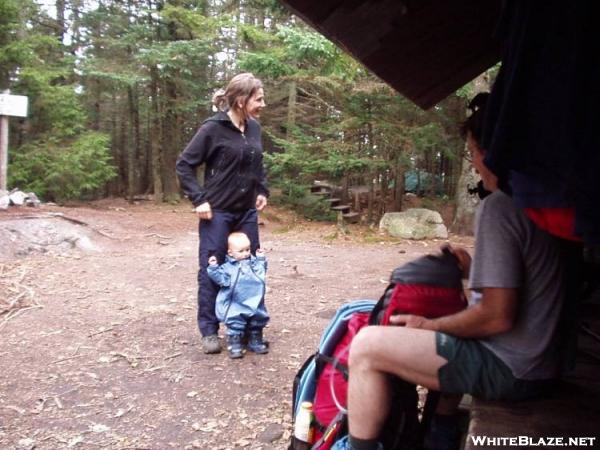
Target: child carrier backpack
(322, 370)
(430, 286)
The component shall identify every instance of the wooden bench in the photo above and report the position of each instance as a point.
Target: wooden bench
(572, 410)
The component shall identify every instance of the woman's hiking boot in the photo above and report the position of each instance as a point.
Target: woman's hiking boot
(256, 343)
(210, 344)
(235, 346)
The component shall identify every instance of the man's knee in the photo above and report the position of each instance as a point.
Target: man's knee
(364, 345)
(392, 349)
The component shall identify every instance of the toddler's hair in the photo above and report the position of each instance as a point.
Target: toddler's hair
(237, 237)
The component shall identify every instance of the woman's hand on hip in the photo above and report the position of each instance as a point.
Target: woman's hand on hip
(204, 211)
(261, 202)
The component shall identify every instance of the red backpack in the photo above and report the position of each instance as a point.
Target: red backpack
(430, 286)
(332, 384)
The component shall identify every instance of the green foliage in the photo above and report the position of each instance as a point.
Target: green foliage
(256, 37)
(294, 162)
(189, 23)
(58, 172)
(314, 208)
(427, 138)
(307, 47)
(58, 111)
(468, 91)
(266, 65)
(143, 73)
(298, 198)
(338, 163)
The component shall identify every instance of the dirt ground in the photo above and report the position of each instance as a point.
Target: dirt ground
(100, 349)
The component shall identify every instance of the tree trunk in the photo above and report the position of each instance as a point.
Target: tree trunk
(291, 112)
(466, 204)
(345, 184)
(114, 185)
(145, 167)
(370, 200)
(122, 146)
(398, 186)
(384, 189)
(76, 8)
(133, 151)
(60, 20)
(156, 140)
(97, 99)
(171, 140)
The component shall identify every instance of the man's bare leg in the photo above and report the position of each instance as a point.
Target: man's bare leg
(376, 352)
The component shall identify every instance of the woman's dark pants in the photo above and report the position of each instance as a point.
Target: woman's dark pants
(213, 241)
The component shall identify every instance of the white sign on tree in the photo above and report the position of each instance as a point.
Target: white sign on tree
(10, 105)
(13, 105)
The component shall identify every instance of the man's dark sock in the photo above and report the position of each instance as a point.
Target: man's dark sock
(362, 444)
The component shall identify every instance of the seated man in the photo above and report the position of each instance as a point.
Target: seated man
(503, 346)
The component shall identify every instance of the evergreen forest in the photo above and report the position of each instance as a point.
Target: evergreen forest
(117, 88)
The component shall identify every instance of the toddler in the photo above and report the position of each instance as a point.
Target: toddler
(240, 303)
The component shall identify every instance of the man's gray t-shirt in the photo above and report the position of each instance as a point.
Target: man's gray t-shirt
(511, 252)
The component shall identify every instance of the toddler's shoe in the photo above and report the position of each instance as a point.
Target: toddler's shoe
(235, 346)
(210, 344)
(256, 343)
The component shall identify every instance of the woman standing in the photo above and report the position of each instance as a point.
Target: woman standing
(235, 188)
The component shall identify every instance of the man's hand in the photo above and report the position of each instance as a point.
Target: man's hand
(495, 314)
(204, 211)
(411, 321)
(464, 259)
(212, 260)
(261, 202)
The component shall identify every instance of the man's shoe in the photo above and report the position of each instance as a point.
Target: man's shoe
(343, 444)
(235, 346)
(256, 343)
(210, 344)
(444, 433)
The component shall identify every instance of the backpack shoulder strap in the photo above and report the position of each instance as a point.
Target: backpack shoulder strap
(376, 313)
(335, 362)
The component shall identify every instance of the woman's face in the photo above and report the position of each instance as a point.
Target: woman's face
(255, 104)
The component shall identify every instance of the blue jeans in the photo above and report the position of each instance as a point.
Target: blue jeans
(213, 241)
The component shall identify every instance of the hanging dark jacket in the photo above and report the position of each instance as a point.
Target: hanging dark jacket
(541, 123)
(234, 173)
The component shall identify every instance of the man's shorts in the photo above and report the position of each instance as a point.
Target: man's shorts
(474, 369)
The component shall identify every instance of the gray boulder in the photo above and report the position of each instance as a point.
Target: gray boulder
(32, 200)
(17, 198)
(416, 223)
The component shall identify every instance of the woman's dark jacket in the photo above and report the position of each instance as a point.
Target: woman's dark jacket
(234, 173)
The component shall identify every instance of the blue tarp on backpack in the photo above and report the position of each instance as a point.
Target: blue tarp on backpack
(306, 385)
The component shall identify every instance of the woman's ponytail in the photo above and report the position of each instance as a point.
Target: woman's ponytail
(219, 101)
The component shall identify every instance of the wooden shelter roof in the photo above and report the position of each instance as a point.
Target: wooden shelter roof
(425, 49)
